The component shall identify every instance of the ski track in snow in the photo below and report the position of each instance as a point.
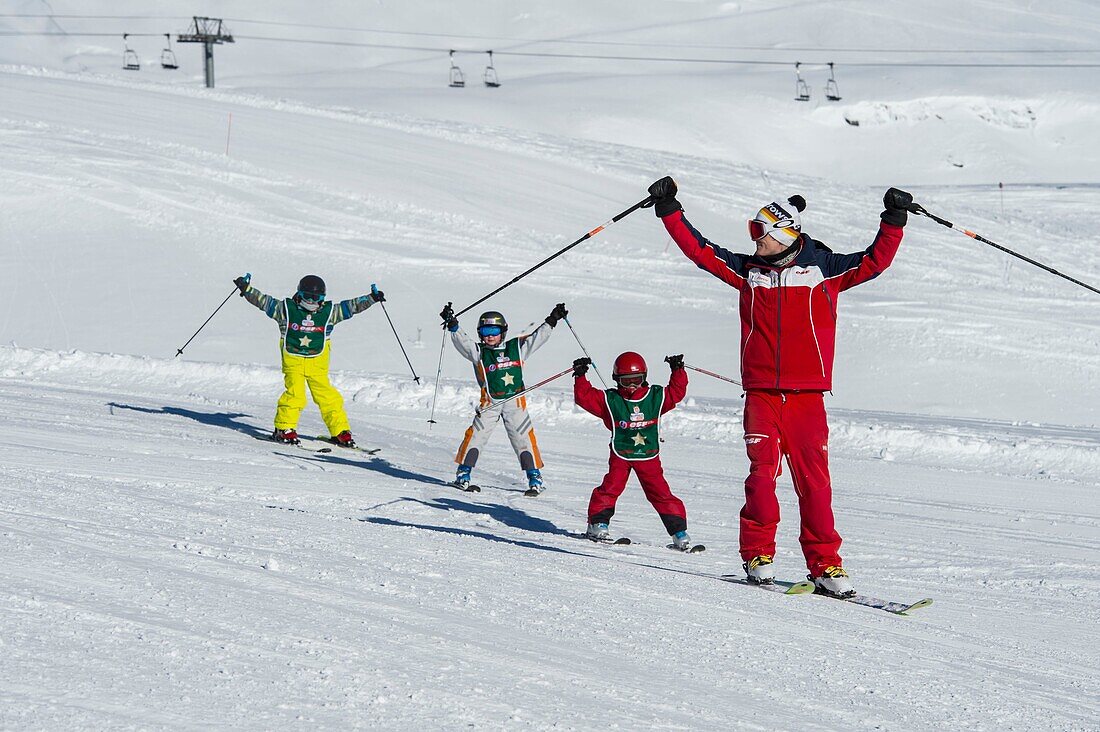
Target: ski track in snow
(235, 583)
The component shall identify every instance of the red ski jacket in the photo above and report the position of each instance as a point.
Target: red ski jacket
(788, 314)
(591, 399)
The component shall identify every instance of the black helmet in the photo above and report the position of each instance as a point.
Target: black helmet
(311, 287)
(493, 321)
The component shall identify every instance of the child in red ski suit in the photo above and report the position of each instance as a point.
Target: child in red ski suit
(788, 306)
(632, 412)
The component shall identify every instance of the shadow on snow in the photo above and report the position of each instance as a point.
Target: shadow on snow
(228, 420)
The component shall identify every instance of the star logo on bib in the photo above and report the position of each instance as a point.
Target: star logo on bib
(508, 379)
(639, 440)
(304, 341)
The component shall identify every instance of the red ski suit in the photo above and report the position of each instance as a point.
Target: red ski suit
(651, 475)
(788, 327)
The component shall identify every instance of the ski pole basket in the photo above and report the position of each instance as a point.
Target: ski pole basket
(168, 56)
(832, 93)
(130, 60)
(490, 75)
(458, 80)
(801, 88)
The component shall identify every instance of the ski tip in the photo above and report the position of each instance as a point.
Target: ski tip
(804, 587)
(696, 549)
(916, 606)
(621, 541)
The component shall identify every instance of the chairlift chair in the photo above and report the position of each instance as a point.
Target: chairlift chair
(801, 88)
(832, 93)
(168, 56)
(130, 60)
(458, 80)
(490, 75)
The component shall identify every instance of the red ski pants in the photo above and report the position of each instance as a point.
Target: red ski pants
(791, 425)
(652, 477)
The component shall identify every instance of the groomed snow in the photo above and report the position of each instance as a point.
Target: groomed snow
(163, 569)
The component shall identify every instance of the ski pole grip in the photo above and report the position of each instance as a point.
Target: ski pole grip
(373, 289)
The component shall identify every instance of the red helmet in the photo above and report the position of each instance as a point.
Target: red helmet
(632, 366)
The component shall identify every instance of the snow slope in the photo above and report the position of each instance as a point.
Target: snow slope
(165, 570)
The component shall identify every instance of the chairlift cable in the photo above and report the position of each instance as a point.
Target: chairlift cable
(603, 57)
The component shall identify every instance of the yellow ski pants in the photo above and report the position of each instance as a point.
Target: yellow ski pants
(297, 373)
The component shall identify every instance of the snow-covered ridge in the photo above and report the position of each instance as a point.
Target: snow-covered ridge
(1035, 450)
(1007, 113)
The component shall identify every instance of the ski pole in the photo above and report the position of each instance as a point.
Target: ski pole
(918, 209)
(438, 371)
(179, 351)
(563, 250)
(711, 373)
(585, 350)
(374, 291)
(518, 394)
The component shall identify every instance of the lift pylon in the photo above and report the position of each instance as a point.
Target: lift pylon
(209, 32)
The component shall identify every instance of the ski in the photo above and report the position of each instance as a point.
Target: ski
(298, 445)
(689, 550)
(533, 492)
(621, 541)
(783, 588)
(895, 608)
(332, 441)
(467, 488)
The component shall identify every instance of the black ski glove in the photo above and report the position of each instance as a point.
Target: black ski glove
(663, 194)
(449, 319)
(242, 284)
(898, 204)
(377, 295)
(675, 362)
(556, 314)
(580, 367)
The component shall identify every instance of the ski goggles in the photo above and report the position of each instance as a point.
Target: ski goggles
(757, 229)
(630, 380)
(490, 330)
(311, 297)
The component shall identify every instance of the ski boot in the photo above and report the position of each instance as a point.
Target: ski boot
(833, 582)
(760, 570)
(286, 437)
(681, 541)
(462, 480)
(598, 532)
(535, 485)
(344, 439)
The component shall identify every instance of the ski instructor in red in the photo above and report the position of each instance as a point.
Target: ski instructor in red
(789, 291)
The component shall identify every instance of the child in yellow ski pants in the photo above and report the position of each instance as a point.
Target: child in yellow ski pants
(305, 325)
(298, 372)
